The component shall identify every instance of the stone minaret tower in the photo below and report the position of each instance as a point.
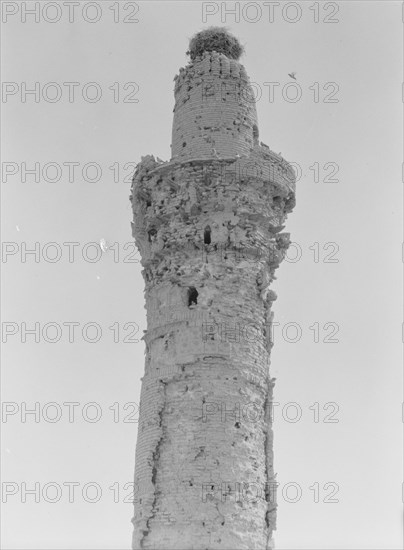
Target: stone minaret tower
(208, 226)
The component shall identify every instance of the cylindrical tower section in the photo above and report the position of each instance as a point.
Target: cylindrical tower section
(214, 114)
(209, 229)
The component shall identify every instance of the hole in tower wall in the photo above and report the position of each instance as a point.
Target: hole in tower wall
(255, 132)
(152, 234)
(192, 296)
(207, 235)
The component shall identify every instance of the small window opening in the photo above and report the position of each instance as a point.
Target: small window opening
(152, 235)
(207, 235)
(192, 296)
(255, 132)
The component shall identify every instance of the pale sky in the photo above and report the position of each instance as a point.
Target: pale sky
(355, 61)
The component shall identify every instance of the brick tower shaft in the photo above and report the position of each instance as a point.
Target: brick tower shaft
(208, 226)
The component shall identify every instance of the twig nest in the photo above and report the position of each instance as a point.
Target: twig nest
(216, 39)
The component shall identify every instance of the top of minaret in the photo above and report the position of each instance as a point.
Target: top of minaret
(217, 39)
(214, 114)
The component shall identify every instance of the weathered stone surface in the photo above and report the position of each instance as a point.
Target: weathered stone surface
(208, 224)
(214, 109)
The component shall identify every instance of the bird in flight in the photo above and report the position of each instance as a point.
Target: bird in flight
(292, 75)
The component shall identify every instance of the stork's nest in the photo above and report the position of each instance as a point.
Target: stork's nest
(216, 39)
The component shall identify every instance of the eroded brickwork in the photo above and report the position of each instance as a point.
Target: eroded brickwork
(214, 109)
(208, 224)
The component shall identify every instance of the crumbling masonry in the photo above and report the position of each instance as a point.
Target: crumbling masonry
(208, 224)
